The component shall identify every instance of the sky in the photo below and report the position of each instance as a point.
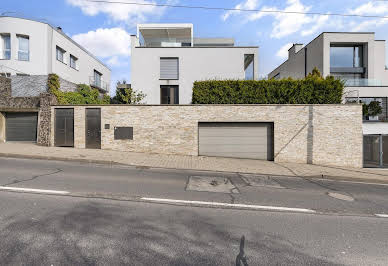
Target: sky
(105, 29)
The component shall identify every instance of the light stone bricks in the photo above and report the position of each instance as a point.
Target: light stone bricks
(318, 134)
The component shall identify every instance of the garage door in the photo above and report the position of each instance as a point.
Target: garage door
(21, 126)
(239, 140)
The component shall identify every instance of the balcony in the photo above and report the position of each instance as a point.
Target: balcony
(362, 82)
(100, 84)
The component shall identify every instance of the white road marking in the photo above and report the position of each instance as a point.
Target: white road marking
(220, 204)
(34, 190)
(381, 215)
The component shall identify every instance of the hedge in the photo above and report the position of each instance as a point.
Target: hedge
(311, 90)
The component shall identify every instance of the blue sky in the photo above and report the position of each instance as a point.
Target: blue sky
(104, 29)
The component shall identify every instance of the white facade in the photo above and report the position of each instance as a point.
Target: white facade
(198, 59)
(43, 40)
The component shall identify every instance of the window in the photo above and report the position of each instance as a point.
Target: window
(60, 54)
(97, 79)
(169, 94)
(5, 74)
(73, 62)
(24, 48)
(5, 46)
(248, 66)
(346, 56)
(169, 68)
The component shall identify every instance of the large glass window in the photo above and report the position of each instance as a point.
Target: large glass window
(6, 46)
(24, 48)
(97, 79)
(248, 66)
(169, 94)
(346, 56)
(60, 54)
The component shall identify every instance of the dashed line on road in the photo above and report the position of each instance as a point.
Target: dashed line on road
(33, 190)
(229, 205)
(381, 215)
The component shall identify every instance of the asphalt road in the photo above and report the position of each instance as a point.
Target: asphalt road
(38, 229)
(62, 230)
(106, 181)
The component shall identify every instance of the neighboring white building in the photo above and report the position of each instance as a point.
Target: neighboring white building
(166, 60)
(37, 48)
(359, 59)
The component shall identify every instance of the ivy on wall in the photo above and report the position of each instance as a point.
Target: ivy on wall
(83, 95)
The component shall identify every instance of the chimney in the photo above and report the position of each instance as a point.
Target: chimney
(296, 47)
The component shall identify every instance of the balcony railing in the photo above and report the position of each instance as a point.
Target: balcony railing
(362, 82)
(99, 83)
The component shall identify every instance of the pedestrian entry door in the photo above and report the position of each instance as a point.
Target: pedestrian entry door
(64, 127)
(93, 128)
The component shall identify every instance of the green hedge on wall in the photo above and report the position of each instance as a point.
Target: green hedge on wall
(311, 90)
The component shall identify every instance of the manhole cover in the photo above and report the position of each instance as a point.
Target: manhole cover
(211, 184)
(260, 181)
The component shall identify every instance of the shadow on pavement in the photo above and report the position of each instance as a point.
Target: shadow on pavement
(92, 233)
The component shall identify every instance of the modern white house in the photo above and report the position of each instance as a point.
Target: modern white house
(29, 47)
(359, 60)
(166, 59)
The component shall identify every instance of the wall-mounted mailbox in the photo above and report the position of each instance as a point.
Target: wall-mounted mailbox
(123, 132)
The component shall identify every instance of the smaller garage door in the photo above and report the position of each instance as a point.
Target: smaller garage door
(21, 126)
(239, 140)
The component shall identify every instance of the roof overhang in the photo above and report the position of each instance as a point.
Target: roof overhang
(165, 31)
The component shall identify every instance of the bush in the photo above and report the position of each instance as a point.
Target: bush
(83, 95)
(312, 90)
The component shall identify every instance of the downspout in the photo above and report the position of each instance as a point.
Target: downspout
(305, 62)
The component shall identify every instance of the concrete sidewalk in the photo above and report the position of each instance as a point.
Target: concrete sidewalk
(30, 150)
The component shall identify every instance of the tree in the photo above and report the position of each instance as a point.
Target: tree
(127, 95)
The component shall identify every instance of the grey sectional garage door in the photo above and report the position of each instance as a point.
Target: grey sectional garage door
(21, 126)
(239, 140)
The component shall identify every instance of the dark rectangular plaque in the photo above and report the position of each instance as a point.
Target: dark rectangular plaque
(123, 132)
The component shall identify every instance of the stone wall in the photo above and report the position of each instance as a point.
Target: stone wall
(40, 104)
(318, 134)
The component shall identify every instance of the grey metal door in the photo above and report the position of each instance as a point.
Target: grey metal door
(21, 126)
(236, 139)
(93, 128)
(64, 127)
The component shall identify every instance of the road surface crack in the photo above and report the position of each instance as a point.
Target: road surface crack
(58, 170)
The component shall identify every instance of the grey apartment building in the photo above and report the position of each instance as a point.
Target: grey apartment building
(359, 60)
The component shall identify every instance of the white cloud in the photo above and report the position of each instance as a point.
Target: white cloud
(248, 4)
(119, 12)
(283, 51)
(113, 44)
(370, 8)
(284, 23)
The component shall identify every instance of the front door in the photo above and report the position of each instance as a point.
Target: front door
(93, 128)
(64, 127)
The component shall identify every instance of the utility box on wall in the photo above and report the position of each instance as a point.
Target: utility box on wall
(123, 132)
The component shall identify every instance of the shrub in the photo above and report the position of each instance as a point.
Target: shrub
(83, 95)
(312, 90)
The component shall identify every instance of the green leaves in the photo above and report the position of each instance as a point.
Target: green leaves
(83, 95)
(312, 90)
